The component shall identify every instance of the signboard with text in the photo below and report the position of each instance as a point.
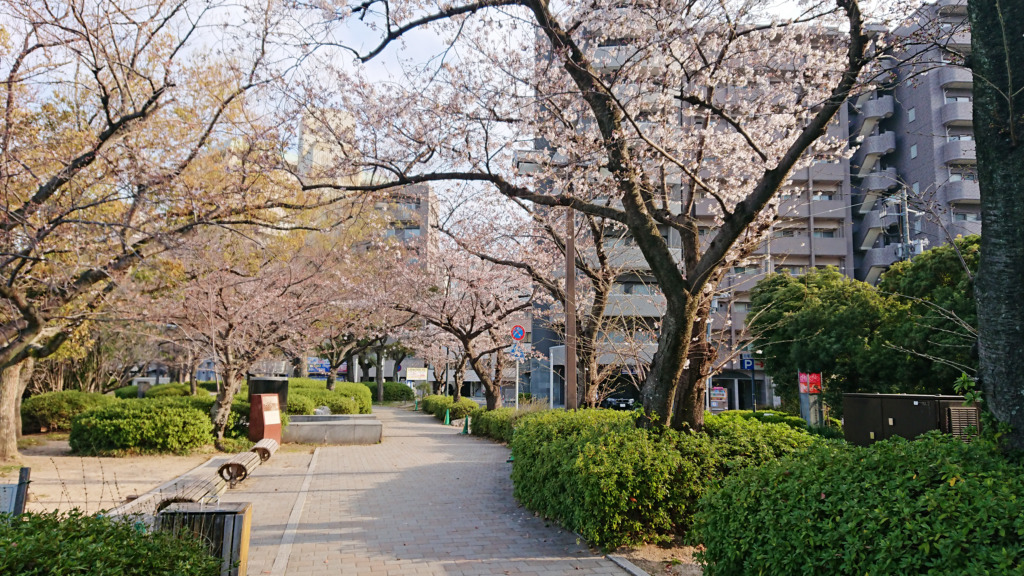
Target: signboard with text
(810, 383)
(417, 374)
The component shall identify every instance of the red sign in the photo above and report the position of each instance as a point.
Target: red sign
(518, 332)
(264, 417)
(810, 383)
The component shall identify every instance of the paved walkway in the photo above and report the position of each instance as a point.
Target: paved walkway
(425, 501)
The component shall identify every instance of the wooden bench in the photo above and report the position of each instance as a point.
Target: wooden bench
(239, 466)
(266, 448)
(14, 496)
(191, 488)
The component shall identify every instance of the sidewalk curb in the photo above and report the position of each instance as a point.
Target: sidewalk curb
(626, 565)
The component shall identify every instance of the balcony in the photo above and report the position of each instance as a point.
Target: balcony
(881, 181)
(955, 77)
(646, 305)
(835, 208)
(873, 148)
(871, 227)
(876, 261)
(961, 192)
(879, 144)
(878, 108)
(958, 151)
(786, 246)
(957, 113)
(821, 172)
(952, 6)
(829, 246)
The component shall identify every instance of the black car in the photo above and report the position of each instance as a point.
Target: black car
(618, 403)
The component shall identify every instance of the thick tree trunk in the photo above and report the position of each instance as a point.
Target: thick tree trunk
(492, 385)
(28, 366)
(378, 375)
(394, 369)
(10, 409)
(659, 390)
(997, 56)
(689, 402)
(221, 410)
(330, 380)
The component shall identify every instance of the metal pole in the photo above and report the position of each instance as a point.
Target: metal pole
(517, 384)
(570, 311)
(753, 386)
(551, 384)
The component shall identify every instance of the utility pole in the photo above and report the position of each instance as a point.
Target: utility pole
(570, 311)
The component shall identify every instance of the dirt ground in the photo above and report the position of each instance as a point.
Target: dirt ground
(661, 561)
(62, 481)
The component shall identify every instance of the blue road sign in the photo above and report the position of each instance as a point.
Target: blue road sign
(518, 332)
(746, 363)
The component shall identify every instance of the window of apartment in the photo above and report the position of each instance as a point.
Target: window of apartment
(966, 217)
(957, 95)
(745, 270)
(915, 187)
(789, 195)
(412, 232)
(820, 195)
(791, 269)
(785, 233)
(740, 306)
(639, 288)
(913, 151)
(826, 233)
(964, 133)
(963, 172)
(911, 114)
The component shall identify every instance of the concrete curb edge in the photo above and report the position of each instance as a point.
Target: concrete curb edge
(626, 565)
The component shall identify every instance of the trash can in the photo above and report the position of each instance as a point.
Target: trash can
(223, 527)
(270, 385)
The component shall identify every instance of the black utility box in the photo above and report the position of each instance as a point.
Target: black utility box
(868, 418)
(270, 385)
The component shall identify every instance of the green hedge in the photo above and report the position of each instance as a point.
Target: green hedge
(393, 391)
(599, 475)
(54, 410)
(317, 391)
(464, 407)
(769, 416)
(171, 389)
(140, 426)
(73, 543)
(435, 404)
(300, 403)
(127, 392)
(930, 506)
(495, 424)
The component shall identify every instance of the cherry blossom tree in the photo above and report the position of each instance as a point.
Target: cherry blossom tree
(642, 114)
(476, 302)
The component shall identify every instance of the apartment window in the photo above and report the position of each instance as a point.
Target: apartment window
(964, 133)
(411, 232)
(823, 195)
(740, 306)
(913, 151)
(826, 233)
(789, 195)
(911, 114)
(745, 270)
(785, 233)
(963, 172)
(792, 270)
(958, 95)
(966, 217)
(916, 187)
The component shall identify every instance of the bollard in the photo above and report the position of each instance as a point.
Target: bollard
(416, 406)
(465, 426)
(447, 417)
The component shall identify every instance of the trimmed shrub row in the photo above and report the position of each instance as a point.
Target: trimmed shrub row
(438, 405)
(599, 475)
(127, 392)
(346, 398)
(769, 416)
(73, 543)
(393, 391)
(171, 389)
(54, 410)
(930, 506)
(140, 426)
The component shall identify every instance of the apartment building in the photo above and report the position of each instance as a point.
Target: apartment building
(914, 174)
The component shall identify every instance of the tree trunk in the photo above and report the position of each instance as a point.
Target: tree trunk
(378, 375)
(460, 377)
(192, 365)
(492, 385)
(10, 408)
(398, 362)
(659, 391)
(997, 57)
(330, 380)
(28, 366)
(689, 402)
(221, 410)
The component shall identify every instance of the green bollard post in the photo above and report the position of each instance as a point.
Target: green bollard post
(465, 426)
(447, 417)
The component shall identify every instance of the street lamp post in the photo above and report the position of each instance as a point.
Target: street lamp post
(753, 385)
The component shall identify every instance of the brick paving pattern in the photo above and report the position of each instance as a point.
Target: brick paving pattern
(425, 501)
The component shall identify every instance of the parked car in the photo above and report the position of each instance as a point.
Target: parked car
(618, 403)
